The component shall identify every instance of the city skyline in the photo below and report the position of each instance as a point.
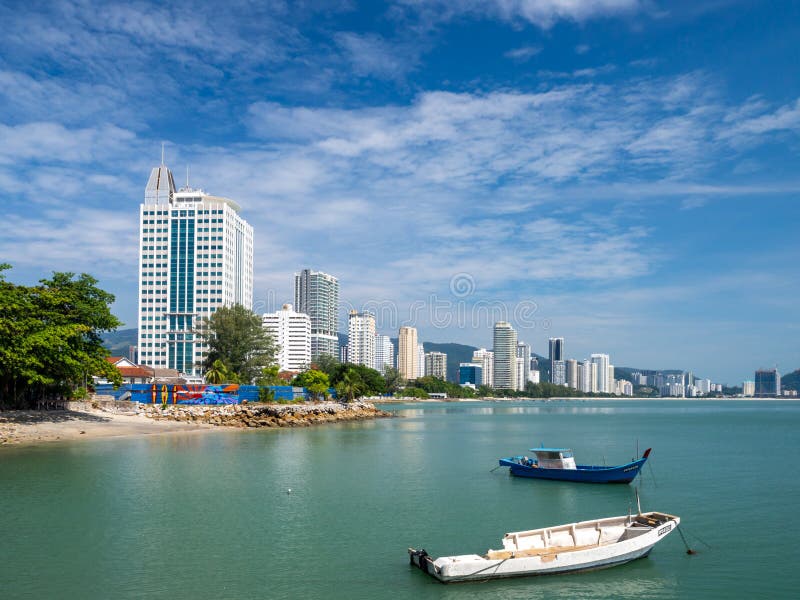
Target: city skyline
(624, 171)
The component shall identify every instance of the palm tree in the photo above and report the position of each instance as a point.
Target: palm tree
(218, 373)
(350, 385)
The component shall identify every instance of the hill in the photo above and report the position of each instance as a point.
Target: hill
(456, 353)
(119, 342)
(791, 381)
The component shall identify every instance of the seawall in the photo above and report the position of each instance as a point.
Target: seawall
(264, 415)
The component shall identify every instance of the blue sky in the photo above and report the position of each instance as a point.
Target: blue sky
(622, 173)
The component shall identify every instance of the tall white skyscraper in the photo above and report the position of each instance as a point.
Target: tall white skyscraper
(521, 377)
(407, 361)
(524, 352)
(485, 358)
(421, 361)
(317, 295)
(384, 353)
(505, 356)
(603, 383)
(361, 339)
(195, 256)
(292, 334)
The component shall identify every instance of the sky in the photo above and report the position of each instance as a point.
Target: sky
(620, 173)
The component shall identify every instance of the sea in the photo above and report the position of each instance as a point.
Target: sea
(329, 511)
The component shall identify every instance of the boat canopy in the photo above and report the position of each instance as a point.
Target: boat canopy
(551, 450)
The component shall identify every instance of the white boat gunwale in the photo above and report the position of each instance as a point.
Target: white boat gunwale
(556, 549)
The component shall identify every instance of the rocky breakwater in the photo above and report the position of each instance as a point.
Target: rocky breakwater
(265, 415)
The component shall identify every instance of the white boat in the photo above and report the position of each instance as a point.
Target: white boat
(582, 546)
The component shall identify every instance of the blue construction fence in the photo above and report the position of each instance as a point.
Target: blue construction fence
(160, 393)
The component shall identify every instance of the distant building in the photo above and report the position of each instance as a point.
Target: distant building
(407, 361)
(485, 358)
(505, 355)
(767, 383)
(623, 387)
(436, 364)
(534, 376)
(470, 373)
(317, 295)
(131, 372)
(421, 360)
(587, 376)
(558, 370)
(572, 373)
(603, 383)
(703, 385)
(361, 338)
(524, 352)
(521, 378)
(291, 332)
(384, 353)
(748, 389)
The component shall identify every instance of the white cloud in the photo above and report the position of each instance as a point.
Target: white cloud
(542, 13)
(523, 54)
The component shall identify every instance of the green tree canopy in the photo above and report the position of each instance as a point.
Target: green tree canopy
(235, 336)
(315, 382)
(50, 340)
(393, 380)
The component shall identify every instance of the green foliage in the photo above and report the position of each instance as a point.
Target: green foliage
(266, 394)
(316, 382)
(435, 385)
(217, 373)
(234, 335)
(350, 385)
(412, 392)
(328, 364)
(50, 337)
(393, 380)
(269, 376)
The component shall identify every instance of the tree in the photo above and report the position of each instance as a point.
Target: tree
(350, 385)
(328, 364)
(315, 382)
(50, 342)
(235, 336)
(217, 373)
(393, 380)
(269, 376)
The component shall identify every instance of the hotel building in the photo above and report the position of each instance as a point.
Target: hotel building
(195, 256)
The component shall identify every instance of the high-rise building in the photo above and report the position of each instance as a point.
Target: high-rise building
(602, 362)
(292, 334)
(748, 389)
(505, 356)
(485, 358)
(407, 361)
(558, 371)
(361, 338)
(571, 373)
(436, 364)
(195, 256)
(521, 379)
(421, 360)
(587, 376)
(767, 383)
(524, 352)
(317, 295)
(384, 353)
(470, 373)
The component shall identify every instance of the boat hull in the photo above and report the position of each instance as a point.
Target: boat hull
(453, 569)
(582, 474)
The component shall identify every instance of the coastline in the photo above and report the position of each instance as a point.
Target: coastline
(103, 420)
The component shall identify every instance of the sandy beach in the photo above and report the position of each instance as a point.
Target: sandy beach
(36, 427)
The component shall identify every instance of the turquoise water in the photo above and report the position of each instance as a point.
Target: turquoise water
(210, 515)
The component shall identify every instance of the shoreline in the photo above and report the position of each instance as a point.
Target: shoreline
(106, 420)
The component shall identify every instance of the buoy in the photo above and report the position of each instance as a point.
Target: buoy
(289, 491)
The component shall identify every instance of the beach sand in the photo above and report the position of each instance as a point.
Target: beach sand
(24, 427)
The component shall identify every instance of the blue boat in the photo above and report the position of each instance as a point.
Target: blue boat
(559, 463)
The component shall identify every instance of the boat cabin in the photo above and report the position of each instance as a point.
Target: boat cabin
(554, 458)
